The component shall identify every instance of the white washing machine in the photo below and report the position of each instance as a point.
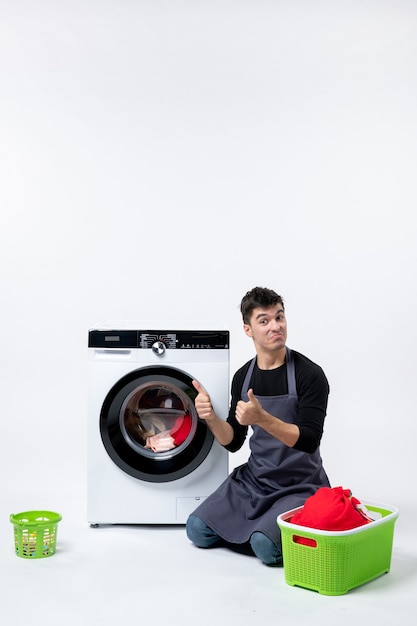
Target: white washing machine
(151, 460)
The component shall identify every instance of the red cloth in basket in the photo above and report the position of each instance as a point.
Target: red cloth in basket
(331, 508)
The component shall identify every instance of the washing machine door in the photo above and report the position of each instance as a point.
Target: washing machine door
(150, 427)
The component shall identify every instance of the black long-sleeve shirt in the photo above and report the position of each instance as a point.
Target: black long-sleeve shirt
(312, 390)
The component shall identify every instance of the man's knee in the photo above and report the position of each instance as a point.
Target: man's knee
(265, 549)
(200, 534)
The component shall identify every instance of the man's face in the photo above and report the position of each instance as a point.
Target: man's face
(268, 328)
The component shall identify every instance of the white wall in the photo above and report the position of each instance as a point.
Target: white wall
(160, 158)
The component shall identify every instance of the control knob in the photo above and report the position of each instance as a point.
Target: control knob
(159, 348)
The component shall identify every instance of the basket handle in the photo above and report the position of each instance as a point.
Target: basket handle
(305, 541)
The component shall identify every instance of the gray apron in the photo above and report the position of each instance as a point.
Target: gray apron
(275, 478)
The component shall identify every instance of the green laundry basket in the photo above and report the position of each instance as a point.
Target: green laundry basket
(35, 533)
(334, 562)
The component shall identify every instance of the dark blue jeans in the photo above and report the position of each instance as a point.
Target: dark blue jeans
(262, 546)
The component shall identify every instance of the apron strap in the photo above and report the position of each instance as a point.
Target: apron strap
(292, 388)
(245, 386)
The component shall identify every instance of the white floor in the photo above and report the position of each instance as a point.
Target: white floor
(115, 575)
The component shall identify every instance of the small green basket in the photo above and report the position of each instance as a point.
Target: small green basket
(334, 562)
(35, 533)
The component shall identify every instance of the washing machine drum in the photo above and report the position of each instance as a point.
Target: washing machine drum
(150, 428)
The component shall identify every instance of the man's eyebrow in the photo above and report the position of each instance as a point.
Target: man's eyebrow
(266, 314)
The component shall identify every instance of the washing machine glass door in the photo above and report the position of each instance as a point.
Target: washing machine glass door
(149, 425)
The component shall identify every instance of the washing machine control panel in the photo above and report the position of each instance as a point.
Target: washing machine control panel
(159, 341)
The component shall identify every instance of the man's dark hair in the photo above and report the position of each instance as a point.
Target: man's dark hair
(258, 297)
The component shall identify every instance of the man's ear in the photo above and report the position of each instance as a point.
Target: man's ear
(247, 329)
